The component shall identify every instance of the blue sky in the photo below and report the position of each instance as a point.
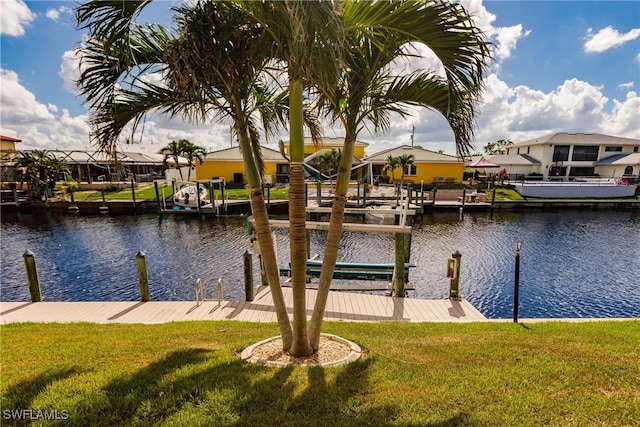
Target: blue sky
(570, 66)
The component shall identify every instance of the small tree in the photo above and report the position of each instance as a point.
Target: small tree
(497, 147)
(328, 162)
(183, 148)
(405, 160)
(391, 165)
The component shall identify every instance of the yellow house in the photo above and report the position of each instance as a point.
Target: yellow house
(228, 164)
(327, 144)
(8, 147)
(428, 166)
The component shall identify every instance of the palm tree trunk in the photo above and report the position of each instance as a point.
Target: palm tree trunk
(265, 240)
(334, 234)
(297, 224)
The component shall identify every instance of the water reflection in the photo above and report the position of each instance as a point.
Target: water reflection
(574, 263)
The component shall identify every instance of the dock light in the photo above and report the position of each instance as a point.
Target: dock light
(516, 283)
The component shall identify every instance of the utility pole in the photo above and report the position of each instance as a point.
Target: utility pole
(413, 134)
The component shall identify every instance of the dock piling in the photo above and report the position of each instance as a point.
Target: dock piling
(143, 280)
(32, 276)
(248, 275)
(454, 288)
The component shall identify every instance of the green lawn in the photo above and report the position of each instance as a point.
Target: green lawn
(146, 191)
(189, 374)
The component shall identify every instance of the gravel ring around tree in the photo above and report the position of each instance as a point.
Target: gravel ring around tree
(333, 351)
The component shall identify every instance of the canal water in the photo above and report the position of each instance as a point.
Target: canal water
(573, 263)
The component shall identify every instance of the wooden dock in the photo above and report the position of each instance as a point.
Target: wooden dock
(341, 306)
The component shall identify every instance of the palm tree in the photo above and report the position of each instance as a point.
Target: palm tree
(212, 68)
(328, 162)
(192, 152)
(186, 149)
(405, 160)
(391, 165)
(306, 37)
(378, 33)
(172, 151)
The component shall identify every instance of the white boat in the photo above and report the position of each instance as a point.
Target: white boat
(187, 197)
(579, 188)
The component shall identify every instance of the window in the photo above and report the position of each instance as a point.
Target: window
(616, 148)
(635, 149)
(557, 172)
(410, 170)
(628, 170)
(585, 153)
(582, 171)
(560, 153)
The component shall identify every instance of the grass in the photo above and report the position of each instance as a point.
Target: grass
(146, 191)
(188, 373)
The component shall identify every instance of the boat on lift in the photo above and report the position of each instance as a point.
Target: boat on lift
(187, 196)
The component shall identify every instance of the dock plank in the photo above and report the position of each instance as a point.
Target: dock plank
(341, 306)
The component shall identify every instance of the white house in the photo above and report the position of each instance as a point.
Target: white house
(569, 155)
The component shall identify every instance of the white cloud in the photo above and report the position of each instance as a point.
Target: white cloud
(608, 38)
(505, 38)
(14, 17)
(70, 70)
(54, 14)
(628, 85)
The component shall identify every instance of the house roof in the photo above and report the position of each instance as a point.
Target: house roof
(82, 156)
(234, 154)
(620, 159)
(9, 139)
(420, 155)
(563, 138)
(329, 142)
(513, 159)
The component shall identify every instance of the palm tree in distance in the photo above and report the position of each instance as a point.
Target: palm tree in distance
(328, 162)
(391, 165)
(173, 151)
(184, 148)
(405, 160)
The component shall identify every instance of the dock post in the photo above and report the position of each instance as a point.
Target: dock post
(454, 289)
(435, 191)
(198, 198)
(422, 196)
(358, 194)
(133, 194)
(15, 197)
(516, 284)
(141, 261)
(364, 195)
(268, 195)
(318, 193)
(32, 276)
(248, 275)
(398, 270)
(159, 206)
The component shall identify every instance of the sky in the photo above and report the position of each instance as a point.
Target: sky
(558, 66)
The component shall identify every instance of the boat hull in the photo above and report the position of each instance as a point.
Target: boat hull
(573, 189)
